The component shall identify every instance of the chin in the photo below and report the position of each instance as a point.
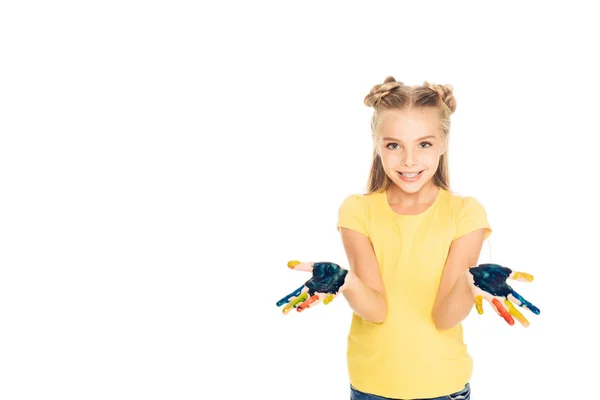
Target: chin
(408, 188)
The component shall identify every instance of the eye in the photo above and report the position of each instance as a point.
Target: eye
(392, 146)
(425, 145)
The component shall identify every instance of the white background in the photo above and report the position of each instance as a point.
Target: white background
(160, 162)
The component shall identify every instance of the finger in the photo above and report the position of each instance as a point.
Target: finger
(329, 298)
(516, 313)
(521, 276)
(293, 303)
(300, 266)
(479, 304)
(502, 311)
(287, 298)
(520, 301)
(312, 300)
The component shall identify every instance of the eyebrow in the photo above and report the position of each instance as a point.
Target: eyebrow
(390, 139)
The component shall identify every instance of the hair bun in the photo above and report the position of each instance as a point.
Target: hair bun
(379, 91)
(445, 93)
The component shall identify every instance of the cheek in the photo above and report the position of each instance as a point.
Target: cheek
(431, 158)
(388, 160)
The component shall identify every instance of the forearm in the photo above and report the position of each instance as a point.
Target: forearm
(455, 307)
(364, 301)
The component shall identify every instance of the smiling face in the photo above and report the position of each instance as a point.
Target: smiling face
(410, 144)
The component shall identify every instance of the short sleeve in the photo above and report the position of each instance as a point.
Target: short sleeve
(471, 217)
(352, 214)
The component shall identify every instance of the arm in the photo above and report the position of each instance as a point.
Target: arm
(455, 299)
(363, 288)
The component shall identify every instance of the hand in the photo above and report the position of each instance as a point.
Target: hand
(489, 281)
(326, 282)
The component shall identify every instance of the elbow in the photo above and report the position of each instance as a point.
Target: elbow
(448, 320)
(442, 325)
(380, 315)
(378, 319)
(442, 322)
(375, 314)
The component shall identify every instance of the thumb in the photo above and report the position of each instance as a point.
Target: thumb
(349, 281)
(300, 266)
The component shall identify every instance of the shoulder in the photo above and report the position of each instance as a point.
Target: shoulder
(353, 199)
(468, 214)
(358, 201)
(354, 211)
(460, 203)
(354, 204)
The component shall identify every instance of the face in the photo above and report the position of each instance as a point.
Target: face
(410, 144)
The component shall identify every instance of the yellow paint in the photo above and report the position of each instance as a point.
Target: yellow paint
(523, 276)
(478, 304)
(329, 298)
(516, 313)
(294, 302)
(292, 264)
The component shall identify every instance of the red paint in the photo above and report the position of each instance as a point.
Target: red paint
(307, 303)
(507, 317)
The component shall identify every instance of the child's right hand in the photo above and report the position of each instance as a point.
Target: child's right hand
(327, 281)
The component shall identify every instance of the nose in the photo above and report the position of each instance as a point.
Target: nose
(409, 159)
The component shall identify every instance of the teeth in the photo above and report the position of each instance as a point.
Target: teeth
(409, 175)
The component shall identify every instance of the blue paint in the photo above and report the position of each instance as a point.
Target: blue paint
(287, 298)
(491, 278)
(525, 303)
(327, 278)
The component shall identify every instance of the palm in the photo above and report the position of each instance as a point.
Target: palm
(489, 281)
(325, 283)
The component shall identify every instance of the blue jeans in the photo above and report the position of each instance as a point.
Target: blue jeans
(464, 394)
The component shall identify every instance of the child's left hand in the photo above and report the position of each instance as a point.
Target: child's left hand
(489, 281)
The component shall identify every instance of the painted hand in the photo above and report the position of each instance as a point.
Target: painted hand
(488, 281)
(327, 279)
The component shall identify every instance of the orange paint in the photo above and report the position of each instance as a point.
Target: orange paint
(503, 312)
(293, 302)
(307, 303)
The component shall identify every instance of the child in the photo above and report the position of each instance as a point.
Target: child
(409, 241)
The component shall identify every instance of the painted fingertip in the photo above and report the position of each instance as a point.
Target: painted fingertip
(523, 276)
(503, 312)
(328, 299)
(292, 264)
(479, 304)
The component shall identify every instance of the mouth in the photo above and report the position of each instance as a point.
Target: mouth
(410, 177)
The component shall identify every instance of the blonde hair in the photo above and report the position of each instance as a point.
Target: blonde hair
(394, 95)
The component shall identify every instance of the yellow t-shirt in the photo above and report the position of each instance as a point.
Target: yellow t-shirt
(406, 357)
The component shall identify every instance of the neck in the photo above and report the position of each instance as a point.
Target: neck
(425, 195)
